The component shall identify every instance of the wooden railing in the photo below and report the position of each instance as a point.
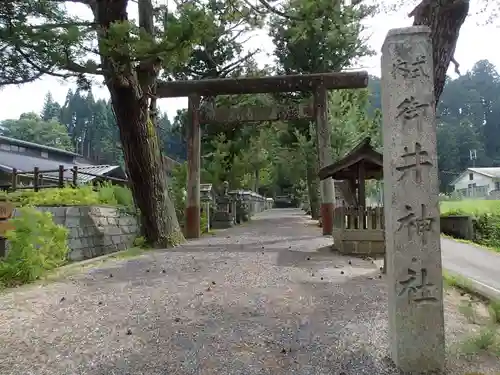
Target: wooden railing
(37, 178)
(360, 218)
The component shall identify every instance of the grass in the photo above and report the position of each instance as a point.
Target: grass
(471, 206)
(459, 282)
(487, 212)
(488, 336)
(485, 340)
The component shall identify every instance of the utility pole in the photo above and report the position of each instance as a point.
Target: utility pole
(473, 157)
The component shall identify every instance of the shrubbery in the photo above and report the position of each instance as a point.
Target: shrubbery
(86, 195)
(454, 212)
(177, 191)
(486, 226)
(487, 230)
(36, 246)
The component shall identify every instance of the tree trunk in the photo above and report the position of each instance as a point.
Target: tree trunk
(132, 88)
(445, 18)
(257, 180)
(313, 188)
(145, 169)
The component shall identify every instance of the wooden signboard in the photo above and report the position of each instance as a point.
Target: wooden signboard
(229, 115)
(5, 226)
(6, 210)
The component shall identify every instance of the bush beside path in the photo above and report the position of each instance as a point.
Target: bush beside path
(269, 297)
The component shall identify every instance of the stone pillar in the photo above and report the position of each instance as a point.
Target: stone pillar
(324, 147)
(411, 205)
(194, 160)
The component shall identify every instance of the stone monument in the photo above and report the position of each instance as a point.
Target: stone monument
(222, 217)
(411, 205)
(207, 200)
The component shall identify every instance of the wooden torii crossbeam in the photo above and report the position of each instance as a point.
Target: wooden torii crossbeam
(260, 85)
(318, 84)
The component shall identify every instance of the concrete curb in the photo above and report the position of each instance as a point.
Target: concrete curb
(478, 287)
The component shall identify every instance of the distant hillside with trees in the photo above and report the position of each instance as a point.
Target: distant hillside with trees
(468, 119)
(87, 126)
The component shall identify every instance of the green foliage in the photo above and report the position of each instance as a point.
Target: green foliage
(468, 119)
(198, 40)
(177, 189)
(36, 245)
(68, 196)
(471, 206)
(30, 127)
(219, 49)
(204, 222)
(43, 38)
(351, 121)
(31, 41)
(322, 37)
(140, 242)
(487, 230)
(216, 164)
(123, 195)
(486, 214)
(494, 310)
(454, 212)
(91, 125)
(178, 195)
(486, 339)
(86, 195)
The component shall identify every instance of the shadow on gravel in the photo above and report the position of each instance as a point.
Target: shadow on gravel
(231, 243)
(150, 270)
(331, 334)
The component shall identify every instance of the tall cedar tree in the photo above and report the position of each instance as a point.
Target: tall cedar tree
(41, 37)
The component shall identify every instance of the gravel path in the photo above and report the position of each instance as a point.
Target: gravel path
(268, 297)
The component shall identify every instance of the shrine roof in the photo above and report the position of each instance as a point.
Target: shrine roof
(347, 167)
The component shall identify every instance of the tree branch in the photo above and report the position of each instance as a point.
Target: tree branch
(457, 65)
(62, 25)
(227, 69)
(444, 18)
(21, 81)
(86, 2)
(75, 68)
(272, 9)
(269, 8)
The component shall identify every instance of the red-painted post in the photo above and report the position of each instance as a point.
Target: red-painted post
(194, 160)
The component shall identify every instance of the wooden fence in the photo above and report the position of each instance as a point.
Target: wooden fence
(359, 218)
(38, 175)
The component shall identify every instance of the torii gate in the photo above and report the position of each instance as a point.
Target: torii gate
(318, 84)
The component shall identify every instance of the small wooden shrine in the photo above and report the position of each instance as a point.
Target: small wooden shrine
(358, 229)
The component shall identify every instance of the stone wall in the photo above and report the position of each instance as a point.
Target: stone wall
(458, 226)
(94, 230)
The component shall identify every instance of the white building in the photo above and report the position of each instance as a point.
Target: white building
(477, 182)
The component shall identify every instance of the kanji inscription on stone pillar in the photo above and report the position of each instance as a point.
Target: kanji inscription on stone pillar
(411, 204)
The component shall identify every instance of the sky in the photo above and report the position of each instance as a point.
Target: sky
(472, 46)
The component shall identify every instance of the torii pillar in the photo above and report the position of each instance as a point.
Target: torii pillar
(324, 147)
